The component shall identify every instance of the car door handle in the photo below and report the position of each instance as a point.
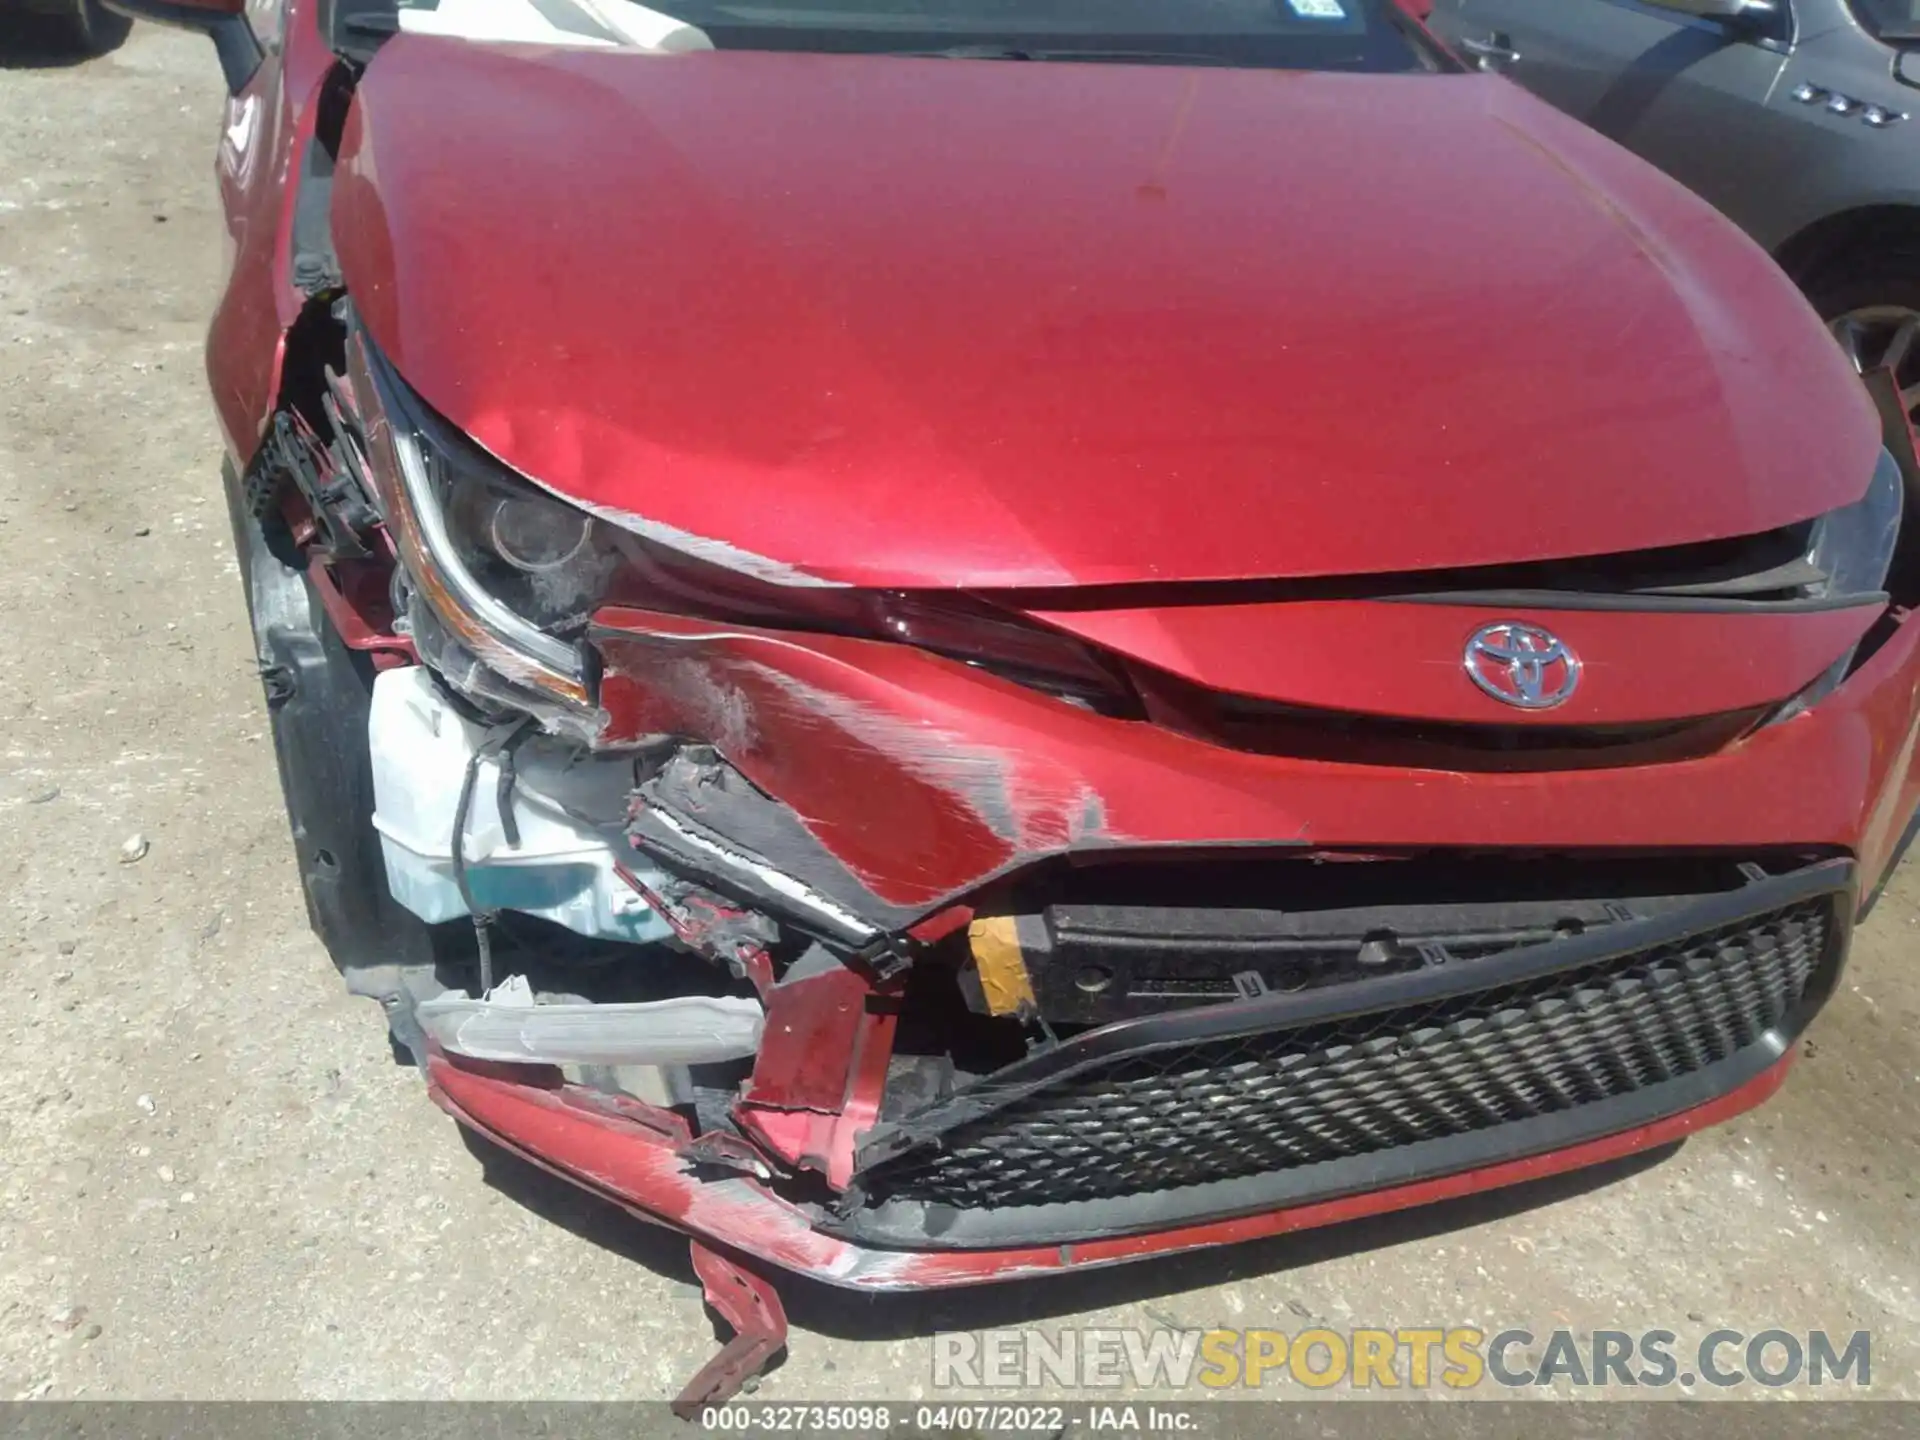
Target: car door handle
(1496, 52)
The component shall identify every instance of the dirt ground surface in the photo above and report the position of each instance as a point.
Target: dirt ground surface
(218, 1184)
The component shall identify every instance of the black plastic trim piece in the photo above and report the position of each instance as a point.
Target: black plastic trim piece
(314, 266)
(1723, 575)
(1159, 958)
(921, 1226)
(705, 819)
(1642, 603)
(238, 49)
(318, 695)
(1287, 1011)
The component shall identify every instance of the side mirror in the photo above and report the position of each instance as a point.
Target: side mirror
(1906, 69)
(222, 21)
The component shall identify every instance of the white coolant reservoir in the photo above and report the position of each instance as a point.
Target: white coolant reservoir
(567, 805)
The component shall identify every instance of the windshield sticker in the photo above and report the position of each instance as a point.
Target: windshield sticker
(1318, 9)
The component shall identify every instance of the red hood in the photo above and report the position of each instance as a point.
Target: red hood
(933, 322)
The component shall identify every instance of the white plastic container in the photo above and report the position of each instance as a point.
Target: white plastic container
(567, 804)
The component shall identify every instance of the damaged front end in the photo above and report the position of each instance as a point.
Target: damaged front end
(870, 916)
(908, 937)
(904, 940)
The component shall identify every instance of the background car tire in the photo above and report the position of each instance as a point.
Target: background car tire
(1880, 279)
(1866, 302)
(89, 28)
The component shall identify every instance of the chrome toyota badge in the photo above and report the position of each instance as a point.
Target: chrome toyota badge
(1522, 665)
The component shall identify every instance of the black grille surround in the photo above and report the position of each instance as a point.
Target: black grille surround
(1231, 1109)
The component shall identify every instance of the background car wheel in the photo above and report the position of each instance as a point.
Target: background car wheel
(1873, 310)
(92, 29)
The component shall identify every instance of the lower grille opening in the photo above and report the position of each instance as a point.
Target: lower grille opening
(1179, 1115)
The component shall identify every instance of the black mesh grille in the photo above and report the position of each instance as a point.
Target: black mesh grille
(1253, 1105)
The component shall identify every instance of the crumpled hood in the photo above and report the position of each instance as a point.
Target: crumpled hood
(904, 322)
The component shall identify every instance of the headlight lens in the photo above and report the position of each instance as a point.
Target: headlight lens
(548, 561)
(514, 573)
(452, 552)
(1854, 547)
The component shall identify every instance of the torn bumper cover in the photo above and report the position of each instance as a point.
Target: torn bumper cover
(1210, 1124)
(1018, 986)
(1353, 1038)
(891, 781)
(648, 1170)
(1015, 945)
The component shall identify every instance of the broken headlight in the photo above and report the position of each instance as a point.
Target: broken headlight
(513, 573)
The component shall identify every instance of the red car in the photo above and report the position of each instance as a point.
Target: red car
(939, 642)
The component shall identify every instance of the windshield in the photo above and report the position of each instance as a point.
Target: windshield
(1363, 35)
(1890, 19)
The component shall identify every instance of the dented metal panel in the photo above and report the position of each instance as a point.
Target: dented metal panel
(921, 778)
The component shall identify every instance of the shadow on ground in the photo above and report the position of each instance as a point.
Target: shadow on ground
(844, 1314)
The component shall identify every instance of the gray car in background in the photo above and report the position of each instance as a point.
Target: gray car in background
(1798, 118)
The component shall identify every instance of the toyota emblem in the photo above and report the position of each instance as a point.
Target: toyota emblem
(1522, 665)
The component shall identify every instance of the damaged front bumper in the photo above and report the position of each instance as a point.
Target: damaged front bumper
(1209, 1124)
(1092, 1056)
(1091, 1047)
(901, 969)
(644, 1163)
(1126, 1022)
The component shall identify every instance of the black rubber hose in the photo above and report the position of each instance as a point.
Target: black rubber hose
(495, 740)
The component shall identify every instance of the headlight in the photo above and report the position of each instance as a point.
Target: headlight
(501, 563)
(514, 573)
(1854, 547)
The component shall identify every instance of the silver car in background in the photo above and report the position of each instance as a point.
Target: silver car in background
(1800, 119)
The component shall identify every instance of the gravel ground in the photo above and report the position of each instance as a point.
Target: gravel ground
(218, 1184)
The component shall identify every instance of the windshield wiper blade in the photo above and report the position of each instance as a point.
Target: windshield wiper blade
(1090, 53)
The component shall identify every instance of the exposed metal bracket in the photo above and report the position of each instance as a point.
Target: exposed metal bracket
(751, 1306)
